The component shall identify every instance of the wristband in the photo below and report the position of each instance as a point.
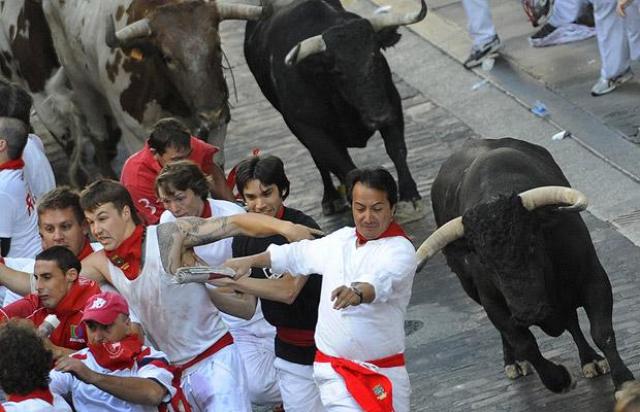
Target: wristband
(358, 293)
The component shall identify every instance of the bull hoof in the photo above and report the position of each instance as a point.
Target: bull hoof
(595, 368)
(561, 381)
(410, 211)
(518, 369)
(334, 206)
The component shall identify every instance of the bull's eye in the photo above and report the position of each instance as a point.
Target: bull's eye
(136, 54)
(168, 60)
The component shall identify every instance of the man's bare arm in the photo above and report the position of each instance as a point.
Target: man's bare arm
(235, 304)
(95, 267)
(284, 289)
(17, 282)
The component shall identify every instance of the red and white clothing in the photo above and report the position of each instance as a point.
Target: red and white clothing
(70, 333)
(149, 364)
(36, 401)
(181, 321)
(141, 169)
(18, 220)
(358, 333)
(37, 169)
(254, 338)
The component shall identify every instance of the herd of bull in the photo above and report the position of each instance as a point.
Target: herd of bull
(508, 219)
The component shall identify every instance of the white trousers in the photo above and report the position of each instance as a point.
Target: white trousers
(217, 383)
(336, 398)
(618, 37)
(479, 22)
(566, 11)
(299, 390)
(257, 353)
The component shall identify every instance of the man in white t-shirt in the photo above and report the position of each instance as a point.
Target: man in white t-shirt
(182, 189)
(18, 221)
(116, 372)
(367, 273)
(24, 370)
(37, 169)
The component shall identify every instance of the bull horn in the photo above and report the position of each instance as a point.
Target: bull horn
(447, 233)
(394, 20)
(140, 28)
(554, 195)
(238, 11)
(304, 49)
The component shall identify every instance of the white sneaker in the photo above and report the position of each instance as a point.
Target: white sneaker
(604, 86)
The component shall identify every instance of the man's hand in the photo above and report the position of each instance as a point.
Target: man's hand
(623, 4)
(296, 232)
(344, 296)
(223, 283)
(76, 367)
(242, 266)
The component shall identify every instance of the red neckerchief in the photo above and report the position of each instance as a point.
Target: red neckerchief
(15, 164)
(117, 355)
(44, 394)
(128, 255)
(394, 229)
(206, 211)
(76, 298)
(86, 250)
(280, 212)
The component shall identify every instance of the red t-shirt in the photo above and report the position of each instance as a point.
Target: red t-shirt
(70, 333)
(141, 169)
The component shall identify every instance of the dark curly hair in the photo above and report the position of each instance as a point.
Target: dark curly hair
(24, 361)
(182, 175)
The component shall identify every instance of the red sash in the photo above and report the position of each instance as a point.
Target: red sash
(44, 394)
(296, 337)
(179, 400)
(15, 164)
(372, 390)
(128, 255)
(86, 250)
(206, 210)
(118, 355)
(394, 229)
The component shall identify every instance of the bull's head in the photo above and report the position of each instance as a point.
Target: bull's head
(350, 52)
(183, 40)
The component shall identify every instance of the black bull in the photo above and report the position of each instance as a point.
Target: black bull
(335, 90)
(523, 256)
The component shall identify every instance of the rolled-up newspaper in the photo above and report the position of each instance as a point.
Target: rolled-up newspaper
(201, 274)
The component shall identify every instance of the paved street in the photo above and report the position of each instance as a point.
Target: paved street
(454, 354)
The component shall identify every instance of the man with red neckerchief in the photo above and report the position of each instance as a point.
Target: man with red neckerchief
(181, 319)
(116, 372)
(24, 370)
(18, 220)
(367, 273)
(60, 292)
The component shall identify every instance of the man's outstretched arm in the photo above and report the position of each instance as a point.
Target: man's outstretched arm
(17, 282)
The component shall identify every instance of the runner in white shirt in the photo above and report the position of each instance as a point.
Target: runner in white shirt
(18, 220)
(181, 319)
(116, 372)
(182, 188)
(24, 370)
(367, 276)
(37, 169)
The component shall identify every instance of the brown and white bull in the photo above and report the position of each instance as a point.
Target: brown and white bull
(132, 62)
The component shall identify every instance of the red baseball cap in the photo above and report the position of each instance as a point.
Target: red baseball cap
(104, 308)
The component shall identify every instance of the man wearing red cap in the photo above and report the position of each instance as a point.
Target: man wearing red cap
(116, 372)
(367, 273)
(60, 292)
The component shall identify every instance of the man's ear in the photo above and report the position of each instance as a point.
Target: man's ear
(126, 211)
(71, 275)
(3, 145)
(393, 209)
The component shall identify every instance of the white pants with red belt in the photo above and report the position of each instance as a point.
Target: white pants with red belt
(336, 398)
(217, 383)
(299, 390)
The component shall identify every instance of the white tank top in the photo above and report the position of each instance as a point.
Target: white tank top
(179, 319)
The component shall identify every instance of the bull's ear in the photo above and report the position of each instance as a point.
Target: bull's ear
(387, 37)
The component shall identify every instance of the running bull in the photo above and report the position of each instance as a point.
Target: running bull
(322, 68)
(509, 225)
(132, 62)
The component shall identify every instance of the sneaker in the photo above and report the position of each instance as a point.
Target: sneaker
(544, 31)
(604, 86)
(488, 49)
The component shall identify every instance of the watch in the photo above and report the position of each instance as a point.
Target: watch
(358, 293)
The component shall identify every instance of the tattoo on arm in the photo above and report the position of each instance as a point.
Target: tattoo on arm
(170, 245)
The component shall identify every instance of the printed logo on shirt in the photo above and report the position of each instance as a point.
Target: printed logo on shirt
(271, 275)
(380, 393)
(30, 203)
(77, 334)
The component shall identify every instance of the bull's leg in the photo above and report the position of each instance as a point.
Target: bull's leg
(556, 378)
(513, 368)
(592, 364)
(598, 303)
(410, 207)
(332, 201)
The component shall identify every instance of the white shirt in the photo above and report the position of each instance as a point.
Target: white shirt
(215, 254)
(18, 220)
(87, 397)
(368, 331)
(180, 319)
(38, 405)
(37, 169)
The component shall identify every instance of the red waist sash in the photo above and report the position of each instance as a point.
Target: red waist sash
(297, 337)
(372, 390)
